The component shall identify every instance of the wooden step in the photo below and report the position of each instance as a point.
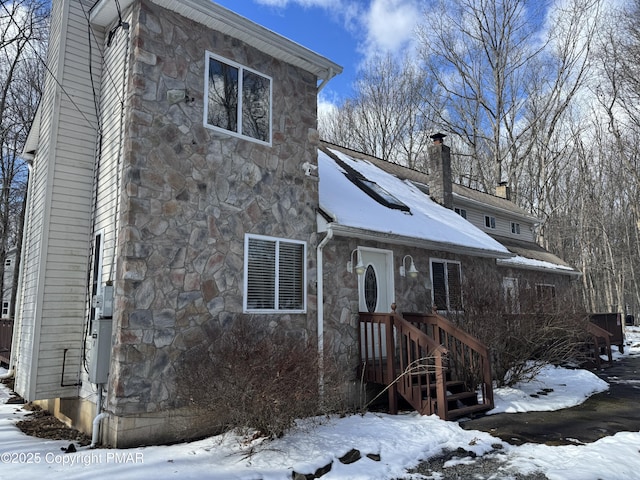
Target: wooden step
(461, 396)
(470, 410)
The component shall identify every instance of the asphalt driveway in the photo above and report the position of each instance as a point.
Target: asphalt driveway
(603, 414)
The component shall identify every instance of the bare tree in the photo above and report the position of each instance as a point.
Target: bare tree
(507, 77)
(23, 34)
(386, 116)
(614, 165)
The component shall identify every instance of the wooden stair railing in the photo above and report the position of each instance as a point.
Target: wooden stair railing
(419, 365)
(414, 368)
(600, 336)
(469, 359)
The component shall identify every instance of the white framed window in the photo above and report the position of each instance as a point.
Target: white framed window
(237, 100)
(515, 228)
(7, 262)
(546, 297)
(461, 211)
(5, 309)
(511, 294)
(446, 281)
(489, 222)
(275, 275)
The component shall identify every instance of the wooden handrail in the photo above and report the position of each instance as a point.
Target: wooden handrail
(397, 352)
(419, 357)
(598, 333)
(459, 344)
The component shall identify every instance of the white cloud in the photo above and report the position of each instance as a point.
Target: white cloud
(305, 3)
(390, 25)
(377, 25)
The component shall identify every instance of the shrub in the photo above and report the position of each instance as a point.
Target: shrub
(521, 343)
(251, 381)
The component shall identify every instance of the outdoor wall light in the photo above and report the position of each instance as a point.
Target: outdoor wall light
(359, 265)
(412, 272)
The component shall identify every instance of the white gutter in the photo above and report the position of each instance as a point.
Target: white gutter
(320, 309)
(395, 239)
(558, 269)
(9, 374)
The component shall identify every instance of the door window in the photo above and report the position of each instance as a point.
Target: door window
(370, 289)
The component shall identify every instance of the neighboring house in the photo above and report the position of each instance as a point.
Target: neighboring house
(6, 323)
(7, 282)
(178, 185)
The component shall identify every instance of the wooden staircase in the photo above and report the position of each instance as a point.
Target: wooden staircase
(435, 366)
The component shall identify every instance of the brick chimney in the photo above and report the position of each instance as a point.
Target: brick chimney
(503, 191)
(440, 171)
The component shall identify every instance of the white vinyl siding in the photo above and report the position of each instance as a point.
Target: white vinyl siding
(275, 275)
(502, 224)
(53, 282)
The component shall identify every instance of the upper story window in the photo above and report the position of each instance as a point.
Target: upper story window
(515, 228)
(238, 99)
(275, 275)
(7, 262)
(461, 211)
(5, 309)
(489, 222)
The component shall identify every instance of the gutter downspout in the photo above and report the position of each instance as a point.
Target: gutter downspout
(320, 308)
(9, 374)
(95, 433)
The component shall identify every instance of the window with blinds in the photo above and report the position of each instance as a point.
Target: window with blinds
(274, 275)
(446, 278)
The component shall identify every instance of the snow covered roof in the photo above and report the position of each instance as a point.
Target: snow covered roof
(355, 211)
(533, 257)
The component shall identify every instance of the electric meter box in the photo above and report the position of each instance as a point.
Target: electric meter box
(100, 350)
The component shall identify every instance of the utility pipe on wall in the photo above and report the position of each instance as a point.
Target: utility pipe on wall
(95, 433)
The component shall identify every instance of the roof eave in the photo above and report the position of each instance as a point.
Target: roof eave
(214, 16)
(395, 239)
(31, 144)
(560, 271)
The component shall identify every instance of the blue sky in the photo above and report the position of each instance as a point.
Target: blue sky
(345, 31)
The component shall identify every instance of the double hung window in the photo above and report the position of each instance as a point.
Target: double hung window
(275, 275)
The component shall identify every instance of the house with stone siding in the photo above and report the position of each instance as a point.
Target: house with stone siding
(177, 186)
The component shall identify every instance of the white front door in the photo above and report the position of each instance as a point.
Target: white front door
(376, 289)
(375, 286)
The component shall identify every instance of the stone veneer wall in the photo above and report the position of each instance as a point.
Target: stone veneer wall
(411, 295)
(189, 196)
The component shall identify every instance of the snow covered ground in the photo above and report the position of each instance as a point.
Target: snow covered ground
(401, 441)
